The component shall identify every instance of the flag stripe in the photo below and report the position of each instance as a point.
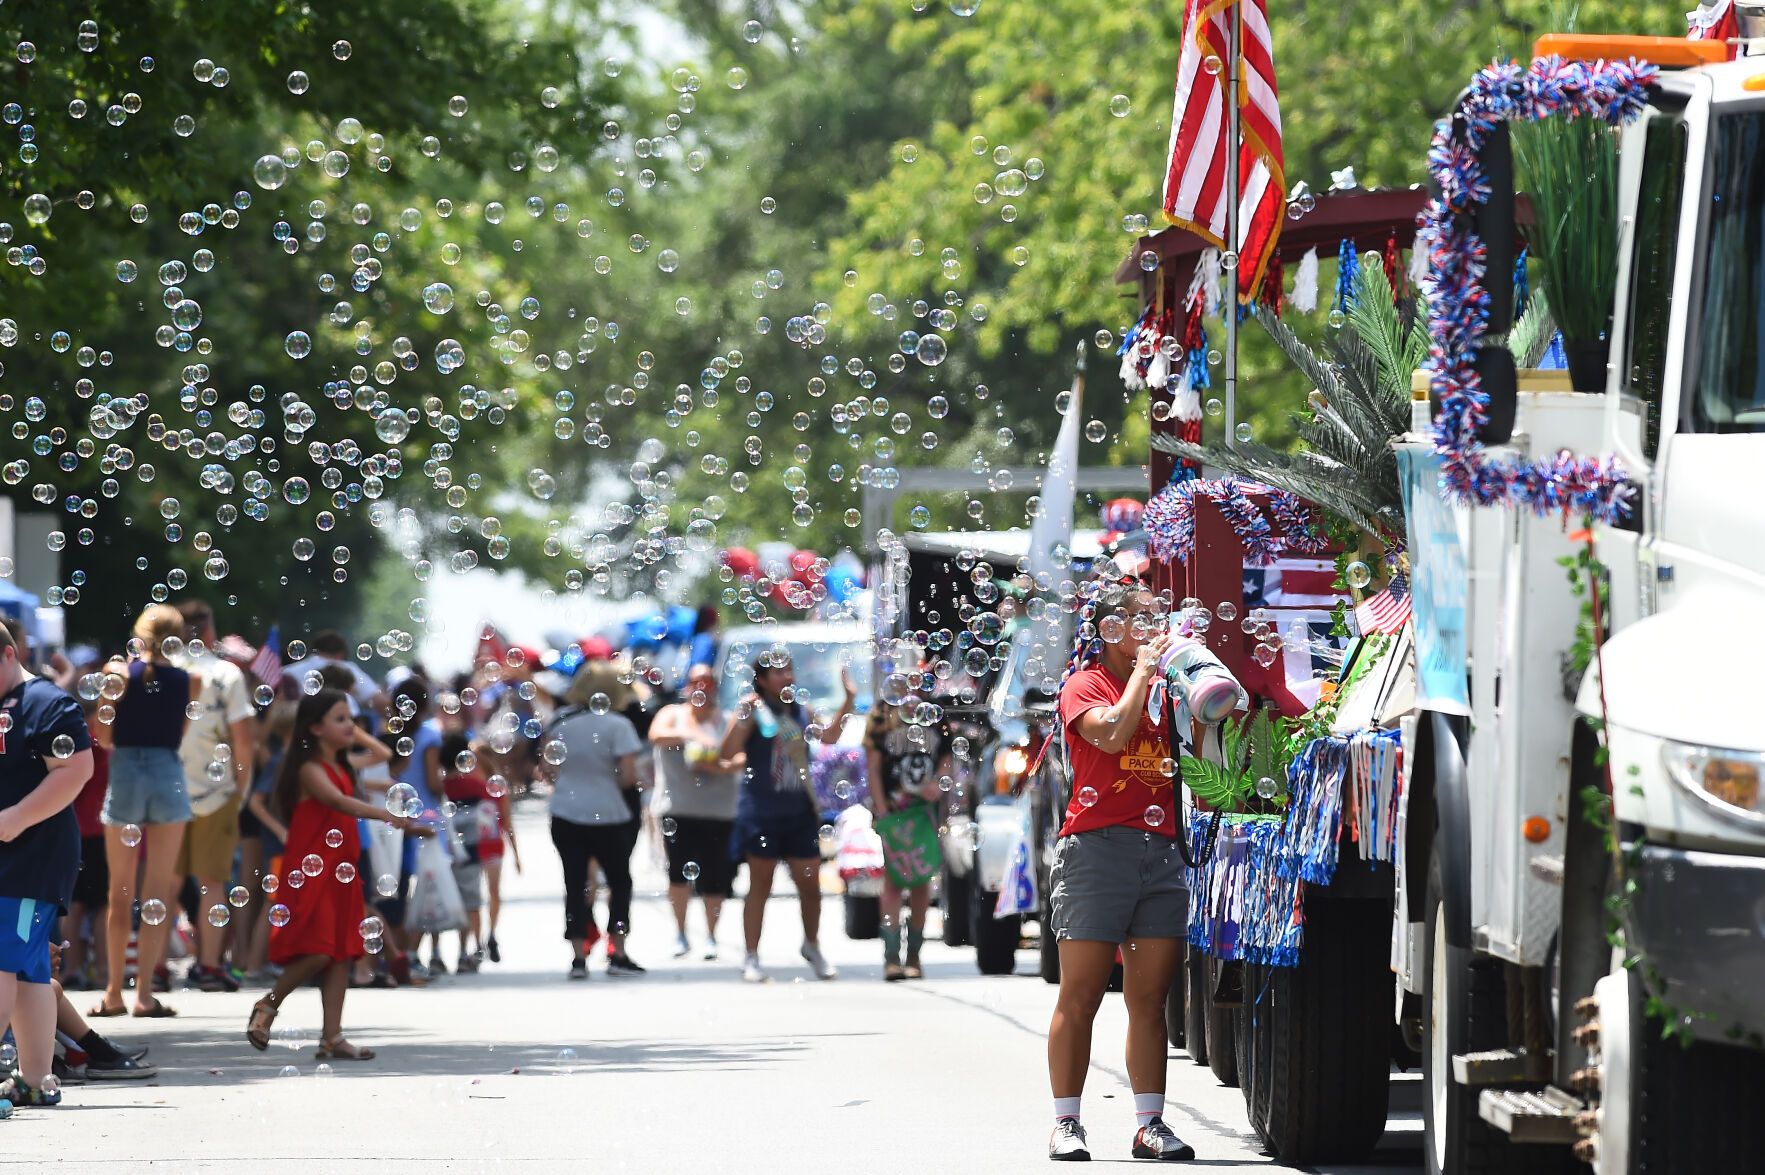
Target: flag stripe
(1195, 172)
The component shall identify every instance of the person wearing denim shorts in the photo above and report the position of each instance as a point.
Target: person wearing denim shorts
(45, 758)
(147, 802)
(1118, 880)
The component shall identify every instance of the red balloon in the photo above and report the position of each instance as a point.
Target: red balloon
(742, 561)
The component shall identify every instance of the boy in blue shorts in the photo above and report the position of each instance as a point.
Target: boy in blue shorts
(45, 758)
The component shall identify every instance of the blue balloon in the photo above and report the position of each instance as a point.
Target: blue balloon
(841, 584)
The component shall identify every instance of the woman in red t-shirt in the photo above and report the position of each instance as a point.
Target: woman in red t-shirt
(1118, 877)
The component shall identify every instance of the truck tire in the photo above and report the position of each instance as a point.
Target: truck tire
(953, 895)
(1174, 1008)
(1321, 1032)
(863, 917)
(1464, 1009)
(1248, 1040)
(1218, 1032)
(995, 939)
(1196, 1004)
(1694, 1107)
(1048, 953)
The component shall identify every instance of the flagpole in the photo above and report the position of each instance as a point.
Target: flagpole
(1235, 54)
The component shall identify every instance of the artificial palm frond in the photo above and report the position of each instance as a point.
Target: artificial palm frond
(1345, 463)
(1532, 334)
(1252, 748)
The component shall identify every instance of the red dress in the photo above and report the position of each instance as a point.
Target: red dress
(324, 914)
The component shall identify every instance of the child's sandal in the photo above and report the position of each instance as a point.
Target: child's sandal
(260, 1036)
(339, 1049)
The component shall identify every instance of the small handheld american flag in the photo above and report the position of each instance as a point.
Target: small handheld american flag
(267, 665)
(1388, 611)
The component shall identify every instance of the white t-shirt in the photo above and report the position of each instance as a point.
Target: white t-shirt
(224, 701)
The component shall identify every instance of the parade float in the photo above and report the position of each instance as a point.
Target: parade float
(1509, 814)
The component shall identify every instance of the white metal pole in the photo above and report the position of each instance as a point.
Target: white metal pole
(1234, 68)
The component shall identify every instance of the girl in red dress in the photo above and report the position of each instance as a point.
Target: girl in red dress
(316, 925)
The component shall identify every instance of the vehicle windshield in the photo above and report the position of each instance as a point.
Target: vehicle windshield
(1728, 394)
(817, 663)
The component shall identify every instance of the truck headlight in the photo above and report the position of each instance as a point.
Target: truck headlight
(1726, 780)
(1009, 766)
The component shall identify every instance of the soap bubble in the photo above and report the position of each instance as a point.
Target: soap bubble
(153, 911)
(1358, 574)
(279, 915)
(1154, 816)
(62, 746)
(1227, 611)
(270, 172)
(238, 897)
(219, 915)
(1267, 788)
(690, 870)
(402, 800)
(438, 298)
(345, 872)
(334, 838)
(1087, 797)
(298, 344)
(131, 835)
(312, 864)
(1120, 106)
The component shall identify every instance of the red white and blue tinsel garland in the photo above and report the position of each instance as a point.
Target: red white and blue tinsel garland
(1249, 899)
(1169, 520)
(1458, 303)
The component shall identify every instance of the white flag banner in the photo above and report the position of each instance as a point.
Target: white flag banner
(1051, 530)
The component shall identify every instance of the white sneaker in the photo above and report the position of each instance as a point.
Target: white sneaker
(682, 948)
(818, 963)
(710, 950)
(751, 972)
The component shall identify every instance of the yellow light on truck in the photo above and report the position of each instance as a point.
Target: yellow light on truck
(1671, 52)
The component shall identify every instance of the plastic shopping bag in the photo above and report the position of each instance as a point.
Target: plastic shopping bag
(910, 845)
(435, 900)
(385, 850)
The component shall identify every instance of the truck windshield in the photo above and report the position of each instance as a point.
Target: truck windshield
(1728, 394)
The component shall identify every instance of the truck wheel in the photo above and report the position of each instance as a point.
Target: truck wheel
(1464, 1009)
(1250, 1040)
(1221, 1048)
(954, 897)
(1195, 1004)
(1321, 1037)
(1049, 951)
(995, 939)
(1694, 1107)
(863, 917)
(1173, 1008)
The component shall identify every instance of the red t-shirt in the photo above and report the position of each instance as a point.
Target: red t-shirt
(1126, 784)
(89, 804)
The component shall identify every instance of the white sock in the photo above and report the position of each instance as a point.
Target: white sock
(1148, 1106)
(1066, 1107)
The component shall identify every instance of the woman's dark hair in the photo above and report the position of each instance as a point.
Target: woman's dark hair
(452, 744)
(418, 692)
(303, 748)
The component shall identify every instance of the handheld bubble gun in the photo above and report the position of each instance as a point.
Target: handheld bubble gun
(1198, 680)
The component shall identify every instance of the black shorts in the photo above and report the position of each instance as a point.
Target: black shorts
(703, 844)
(778, 840)
(92, 886)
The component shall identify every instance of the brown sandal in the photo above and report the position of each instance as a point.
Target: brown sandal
(338, 1049)
(260, 1037)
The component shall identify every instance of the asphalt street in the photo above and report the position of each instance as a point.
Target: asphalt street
(685, 1069)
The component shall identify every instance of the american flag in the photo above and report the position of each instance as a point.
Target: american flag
(1195, 173)
(267, 665)
(1388, 611)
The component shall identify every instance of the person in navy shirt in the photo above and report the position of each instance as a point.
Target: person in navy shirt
(45, 759)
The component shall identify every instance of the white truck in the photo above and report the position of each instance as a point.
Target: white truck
(1576, 912)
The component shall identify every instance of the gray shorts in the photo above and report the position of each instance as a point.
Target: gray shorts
(469, 876)
(1113, 884)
